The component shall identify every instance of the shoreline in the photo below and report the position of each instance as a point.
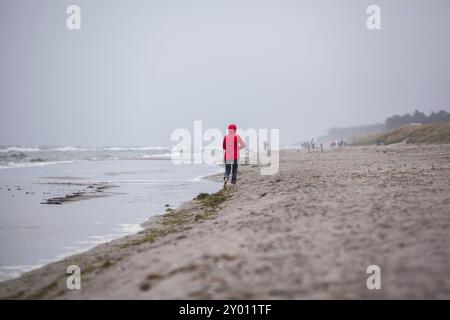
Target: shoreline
(308, 232)
(94, 258)
(68, 198)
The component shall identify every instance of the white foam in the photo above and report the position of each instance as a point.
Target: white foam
(19, 149)
(12, 165)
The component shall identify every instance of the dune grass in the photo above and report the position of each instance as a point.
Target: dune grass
(411, 134)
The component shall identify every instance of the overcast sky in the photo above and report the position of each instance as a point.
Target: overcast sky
(137, 70)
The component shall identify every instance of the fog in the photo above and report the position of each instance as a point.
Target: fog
(137, 70)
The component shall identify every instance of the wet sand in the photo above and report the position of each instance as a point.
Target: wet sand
(308, 232)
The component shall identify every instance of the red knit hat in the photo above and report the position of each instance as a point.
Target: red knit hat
(232, 127)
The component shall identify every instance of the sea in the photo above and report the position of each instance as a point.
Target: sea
(129, 185)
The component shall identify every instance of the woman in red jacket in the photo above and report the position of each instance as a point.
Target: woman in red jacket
(232, 143)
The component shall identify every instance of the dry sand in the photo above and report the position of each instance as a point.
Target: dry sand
(308, 232)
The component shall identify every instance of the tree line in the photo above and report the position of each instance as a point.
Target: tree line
(390, 123)
(416, 117)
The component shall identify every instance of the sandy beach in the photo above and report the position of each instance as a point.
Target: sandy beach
(308, 232)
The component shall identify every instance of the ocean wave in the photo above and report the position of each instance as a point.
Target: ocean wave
(138, 149)
(19, 156)
(155, 156)
(5, 149)
(18, 149)
(12, 165)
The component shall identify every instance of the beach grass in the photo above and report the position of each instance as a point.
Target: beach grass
(410, 134)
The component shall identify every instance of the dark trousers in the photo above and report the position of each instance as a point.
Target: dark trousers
(231, 166)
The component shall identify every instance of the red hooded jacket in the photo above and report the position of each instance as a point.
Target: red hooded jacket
(232, 143)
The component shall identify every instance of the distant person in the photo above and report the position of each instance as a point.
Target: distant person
(232, 143)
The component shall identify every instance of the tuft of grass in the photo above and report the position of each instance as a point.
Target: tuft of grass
(180, 219)
(107, 264)
(213, 200)
(210, 203)
(201, 196)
